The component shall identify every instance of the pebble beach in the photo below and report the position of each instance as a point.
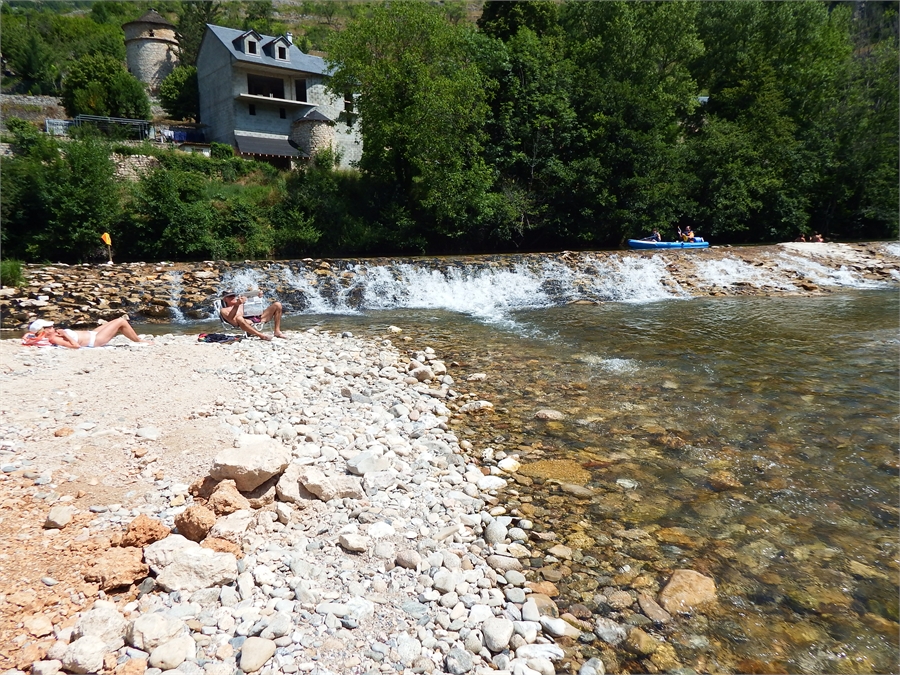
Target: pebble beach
(293, 506)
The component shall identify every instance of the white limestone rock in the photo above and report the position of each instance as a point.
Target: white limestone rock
(148, 631)
(198, 568)
(253, 461)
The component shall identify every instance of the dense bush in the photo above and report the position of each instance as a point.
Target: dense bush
(100, 85)
(11, 273)
(179, 95)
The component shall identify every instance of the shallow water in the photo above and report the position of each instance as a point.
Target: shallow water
(751, 439)
(794, 399)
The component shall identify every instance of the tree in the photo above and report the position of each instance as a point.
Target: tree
(631, 91)
(421, 99)
(58, 201)
(530, 130)
(100, 85)
(777, 137)
(191, 26)
(502, 19)
(179, 93)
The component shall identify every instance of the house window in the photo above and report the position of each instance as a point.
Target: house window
(252, 108)
(282, 53)
(300, 90)
(251, 46)
(259, 85)
(348, 103)
(282, 113)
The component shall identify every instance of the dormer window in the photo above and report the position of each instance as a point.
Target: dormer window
(282, 53)
(251, 47)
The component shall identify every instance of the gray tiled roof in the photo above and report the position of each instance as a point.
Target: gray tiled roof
(299, 62)
(151, 16)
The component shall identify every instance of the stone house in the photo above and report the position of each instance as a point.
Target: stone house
(267, 99)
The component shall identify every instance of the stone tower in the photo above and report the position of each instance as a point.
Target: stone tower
(312, 133)
(151, 48)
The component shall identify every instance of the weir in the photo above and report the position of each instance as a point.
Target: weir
(487, 287)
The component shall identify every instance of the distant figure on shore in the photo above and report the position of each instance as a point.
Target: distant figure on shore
(800, 237)
(232, 312)
(654, 236)
(42, 333)
(817, 237)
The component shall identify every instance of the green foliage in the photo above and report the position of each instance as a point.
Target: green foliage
(40, 45)
(179, 94)
(100, 85)
(190, 27)
(11, 274)
(58, 200)
(556, 125)
(420, 98)
(220, 151)
(503, 19)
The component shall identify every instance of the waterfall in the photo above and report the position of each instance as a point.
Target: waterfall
(490, 287)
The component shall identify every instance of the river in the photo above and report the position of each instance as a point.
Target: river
(752, 439)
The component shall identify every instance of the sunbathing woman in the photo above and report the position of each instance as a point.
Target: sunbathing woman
(42, 333)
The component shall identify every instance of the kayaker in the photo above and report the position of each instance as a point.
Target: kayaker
(653, 237)
(688, 234)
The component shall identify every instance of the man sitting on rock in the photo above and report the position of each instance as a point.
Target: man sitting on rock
(233, 313)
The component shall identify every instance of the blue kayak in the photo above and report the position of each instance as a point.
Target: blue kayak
(640, 243)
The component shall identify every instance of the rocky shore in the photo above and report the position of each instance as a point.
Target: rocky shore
(82, 295)
(284, 507)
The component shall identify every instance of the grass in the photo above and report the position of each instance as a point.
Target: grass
(11, 273)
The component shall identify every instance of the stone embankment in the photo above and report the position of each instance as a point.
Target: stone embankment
(82, 295)
(347, 530)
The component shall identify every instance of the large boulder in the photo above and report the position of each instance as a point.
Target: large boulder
(290, 489)
(195, 522)
(197, 568)
(686, 591)
(226, 499)
(102, 621)
(253, 461)
(117, 567)
(232, 527)
(85, 655)
(327, 488)
(143, 531)
(164, 552)
(149, 631)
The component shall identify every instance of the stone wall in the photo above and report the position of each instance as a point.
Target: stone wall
(31, 108)
(132, 167)
(311, 136)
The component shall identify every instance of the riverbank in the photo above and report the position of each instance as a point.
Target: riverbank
(82, 295)
(345, 529)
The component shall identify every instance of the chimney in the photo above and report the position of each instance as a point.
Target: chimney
(290, 37)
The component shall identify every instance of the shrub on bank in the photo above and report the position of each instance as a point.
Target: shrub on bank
(11, 273)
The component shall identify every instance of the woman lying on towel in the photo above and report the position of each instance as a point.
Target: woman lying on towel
(42, 333)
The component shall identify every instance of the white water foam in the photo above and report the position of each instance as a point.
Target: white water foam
(630, 279)
(485, 293)
(175, 293)
(893, 249)
(825, 276)
(732, 272)
(617, 366)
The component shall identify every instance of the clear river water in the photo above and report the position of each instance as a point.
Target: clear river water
(752, 439)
